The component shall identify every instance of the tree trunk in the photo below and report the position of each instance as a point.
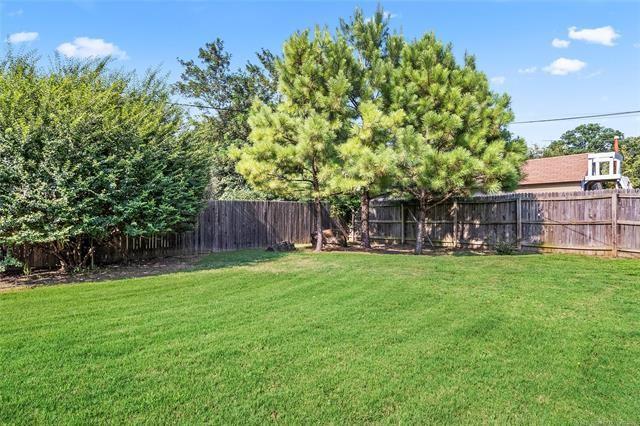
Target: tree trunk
(70, 254)
(364, 219)
(318, 216)
(422, 213)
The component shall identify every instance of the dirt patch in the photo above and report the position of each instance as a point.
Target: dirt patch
(142, 268)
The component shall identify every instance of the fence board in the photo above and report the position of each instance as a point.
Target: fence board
(220, 226)
(603, 222)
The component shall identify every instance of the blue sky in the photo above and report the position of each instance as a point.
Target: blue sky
(598, 72)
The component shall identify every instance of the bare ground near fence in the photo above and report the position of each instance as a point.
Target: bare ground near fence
(139, 268)
(603, 222)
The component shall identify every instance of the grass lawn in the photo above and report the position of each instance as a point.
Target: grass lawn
(335, 337)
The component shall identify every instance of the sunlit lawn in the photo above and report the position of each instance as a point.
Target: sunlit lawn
(337, 337)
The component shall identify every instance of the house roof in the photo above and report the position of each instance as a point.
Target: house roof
(565, 168)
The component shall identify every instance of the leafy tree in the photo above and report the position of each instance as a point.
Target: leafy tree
(223, 97)
(454, 141)
(368, 160)
(294, 143)
(535, 151)
(87, 155)
(630, 149)
(590, 137)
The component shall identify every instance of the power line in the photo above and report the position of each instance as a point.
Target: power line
(546, 120)
(208, 107)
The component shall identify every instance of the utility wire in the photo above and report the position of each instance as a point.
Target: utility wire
(545, 120)
(208, 107)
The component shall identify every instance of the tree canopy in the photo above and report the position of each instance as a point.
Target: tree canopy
(365, 111)
(454, 141)
(591, 137)
(87, 155)
(368, 159)
(630, 148)
(223, 97)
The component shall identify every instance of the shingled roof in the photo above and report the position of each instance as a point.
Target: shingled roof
(566, 168)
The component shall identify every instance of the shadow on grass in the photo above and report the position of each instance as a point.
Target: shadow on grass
(430, 251)
(468, 253)
(220, 260)
(407, 250)
(140, 269)
(229, 259)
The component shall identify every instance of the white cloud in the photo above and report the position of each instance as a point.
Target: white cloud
(636, 45)
(85, 47)
(529, 70)
(603, 35)
(22, 37)
(560, 44)
(498, 80)
(564, 66)
(14, 13)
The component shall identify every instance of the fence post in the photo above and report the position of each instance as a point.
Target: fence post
(353, 226)
(402, 222)
(519, 222)
(614, 224)
(455, 224)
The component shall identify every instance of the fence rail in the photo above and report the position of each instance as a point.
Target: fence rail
(220, 226)
(599, 222)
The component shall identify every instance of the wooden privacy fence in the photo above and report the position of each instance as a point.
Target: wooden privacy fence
(597, 222)
(221, 225)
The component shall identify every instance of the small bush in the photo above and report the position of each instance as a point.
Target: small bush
(505, 248)
(8, 261)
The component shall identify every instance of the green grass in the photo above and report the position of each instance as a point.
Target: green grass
(332, 338)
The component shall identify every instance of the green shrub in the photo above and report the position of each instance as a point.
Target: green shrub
(505, 248)
(8, 261)
(88, 155)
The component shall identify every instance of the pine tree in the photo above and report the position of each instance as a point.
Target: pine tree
(368, 157)
(365, 112)
(294, 149)
(454, 141)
